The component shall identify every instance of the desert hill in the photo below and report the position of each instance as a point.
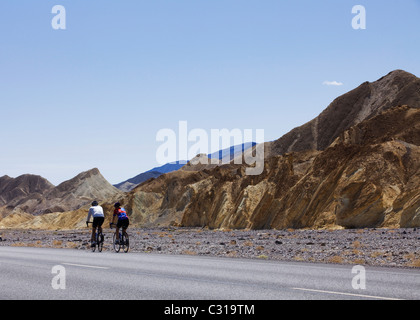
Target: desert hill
(13, 190)
(35, 195)
(314, 176)
(366, 101)
(368, 177)
(77, 192)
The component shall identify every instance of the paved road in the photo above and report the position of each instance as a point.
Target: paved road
(29, 273)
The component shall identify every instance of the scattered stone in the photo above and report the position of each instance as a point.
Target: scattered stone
(383, 247)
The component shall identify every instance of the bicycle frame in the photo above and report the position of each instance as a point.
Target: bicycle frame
(124, 242)
(99, 240)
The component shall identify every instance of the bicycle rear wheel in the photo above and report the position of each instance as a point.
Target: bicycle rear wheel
(100, 242)
(117, 246)
(125, 242)
(93, 247)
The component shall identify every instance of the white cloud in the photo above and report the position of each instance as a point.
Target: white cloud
(332, 83)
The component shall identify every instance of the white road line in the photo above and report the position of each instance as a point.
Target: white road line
(84, 266)
(347, 294)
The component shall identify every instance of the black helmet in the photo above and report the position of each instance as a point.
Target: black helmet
(117, 205)
(94, 203)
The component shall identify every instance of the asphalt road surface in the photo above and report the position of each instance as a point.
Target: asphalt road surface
(58, 274)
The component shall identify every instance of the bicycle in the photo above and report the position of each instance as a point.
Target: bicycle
(124, 242)
(99, 239)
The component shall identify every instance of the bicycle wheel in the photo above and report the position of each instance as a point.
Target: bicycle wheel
(125, 242)
(93, 248)
(116, 246)
(100, 241)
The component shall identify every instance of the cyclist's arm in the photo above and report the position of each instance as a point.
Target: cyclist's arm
(114, 218)
(89, 215)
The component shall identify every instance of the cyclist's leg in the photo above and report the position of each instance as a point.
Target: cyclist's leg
(124, 229)
(117, 232)
(100, 222)
(125, 225)
(94, 226)
(92, 238)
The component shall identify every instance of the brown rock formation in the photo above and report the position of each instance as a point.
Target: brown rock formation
(356, 165)
(368, 177)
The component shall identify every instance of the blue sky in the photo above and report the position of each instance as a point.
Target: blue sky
(96, 94)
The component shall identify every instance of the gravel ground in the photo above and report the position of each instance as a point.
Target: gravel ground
(376, 247)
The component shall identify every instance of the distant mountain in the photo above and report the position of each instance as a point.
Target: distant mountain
(228, 154)
(169, 167)
(35, 195)
(130, 184)
(14, 190)
(224, 156)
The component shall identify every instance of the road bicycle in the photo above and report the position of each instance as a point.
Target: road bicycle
(99, 239)
(124, 242)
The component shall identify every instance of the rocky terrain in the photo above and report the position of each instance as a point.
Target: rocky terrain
(369, 247)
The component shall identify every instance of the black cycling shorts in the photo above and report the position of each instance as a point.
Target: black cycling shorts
(123, 223)
(98, 221)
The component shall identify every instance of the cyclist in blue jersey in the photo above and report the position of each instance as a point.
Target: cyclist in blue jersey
(122, 222)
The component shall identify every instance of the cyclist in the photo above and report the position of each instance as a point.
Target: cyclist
(123, 221)
(98, 219)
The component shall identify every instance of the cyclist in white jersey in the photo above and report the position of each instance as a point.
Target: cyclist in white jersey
(97, 213)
